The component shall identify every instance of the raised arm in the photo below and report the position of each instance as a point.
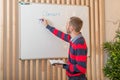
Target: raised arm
(58, 33)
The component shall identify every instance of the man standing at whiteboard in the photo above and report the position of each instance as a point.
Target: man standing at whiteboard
(77, 59)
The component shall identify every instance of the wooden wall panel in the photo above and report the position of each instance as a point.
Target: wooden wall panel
(20, 70)
(43, 69)
(31, 70)
(97, 43)
(92, 42)
(102, 32)
(8, 7)
(48, 70)
(1, 38)
(88, 59)
(12, 68)
(77, 2)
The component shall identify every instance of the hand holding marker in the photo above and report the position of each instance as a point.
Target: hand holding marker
(41, 20)
(44, 22)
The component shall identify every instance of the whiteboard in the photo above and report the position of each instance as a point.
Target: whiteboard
(36, 41)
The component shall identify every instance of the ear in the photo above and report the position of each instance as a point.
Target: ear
(72, 28)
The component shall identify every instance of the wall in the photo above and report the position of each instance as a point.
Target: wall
(112, 16)
(112, 19)
(11, 68)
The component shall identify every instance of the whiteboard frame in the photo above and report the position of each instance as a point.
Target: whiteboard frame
(23, 3)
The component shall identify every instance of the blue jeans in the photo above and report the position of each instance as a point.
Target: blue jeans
(81, 77)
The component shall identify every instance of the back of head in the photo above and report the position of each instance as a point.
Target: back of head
(76, 23)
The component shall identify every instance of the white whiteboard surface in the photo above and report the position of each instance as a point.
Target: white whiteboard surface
(36, 41)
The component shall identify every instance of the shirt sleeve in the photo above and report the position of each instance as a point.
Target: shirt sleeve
(58, 33)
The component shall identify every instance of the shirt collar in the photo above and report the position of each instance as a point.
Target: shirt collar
(75, 38)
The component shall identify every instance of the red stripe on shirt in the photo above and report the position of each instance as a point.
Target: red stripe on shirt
(81, 46)
(71, 68)
(68, 37)
(72, 56)
(83, 70)
(62, 36)
(77, 74)
(82, 58)
(73, 46)
(78, 46)
(55, 32)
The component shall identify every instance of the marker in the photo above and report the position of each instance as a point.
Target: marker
(41, 19)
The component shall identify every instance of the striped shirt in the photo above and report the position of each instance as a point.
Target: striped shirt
(77, 53)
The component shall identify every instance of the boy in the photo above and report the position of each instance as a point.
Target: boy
(77, 54)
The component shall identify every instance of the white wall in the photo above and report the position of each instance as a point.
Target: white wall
(112, 14)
